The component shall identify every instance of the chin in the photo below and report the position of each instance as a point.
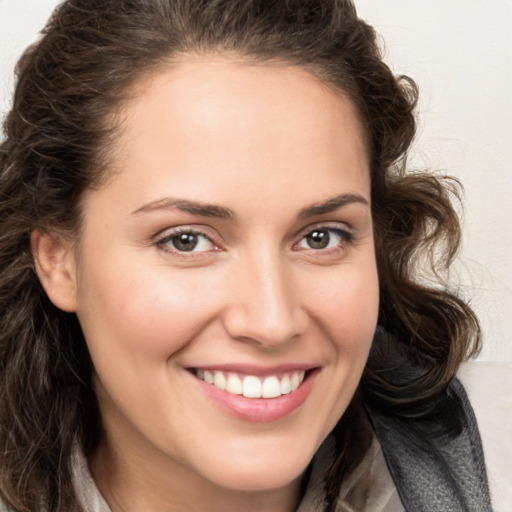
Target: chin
(261, 469)
(255, 479)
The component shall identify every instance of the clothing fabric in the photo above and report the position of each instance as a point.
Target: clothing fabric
(437, 463)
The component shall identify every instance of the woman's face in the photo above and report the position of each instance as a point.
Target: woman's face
(233, 242)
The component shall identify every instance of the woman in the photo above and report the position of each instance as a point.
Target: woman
(209, 249)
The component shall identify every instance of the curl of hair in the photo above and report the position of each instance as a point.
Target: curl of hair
(57, 137)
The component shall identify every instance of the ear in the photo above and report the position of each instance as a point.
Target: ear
(55, 265)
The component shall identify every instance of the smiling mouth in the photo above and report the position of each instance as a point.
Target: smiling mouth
(251, 386)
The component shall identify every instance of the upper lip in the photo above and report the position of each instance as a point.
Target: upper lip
(256, 370)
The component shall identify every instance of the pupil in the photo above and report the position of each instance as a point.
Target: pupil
(185, 242)
(318, 239)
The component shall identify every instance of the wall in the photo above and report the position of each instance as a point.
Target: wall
(460, 53)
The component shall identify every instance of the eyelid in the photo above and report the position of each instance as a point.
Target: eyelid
(334, 226)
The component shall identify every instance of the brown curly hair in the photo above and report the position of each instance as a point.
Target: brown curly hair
(57, 134)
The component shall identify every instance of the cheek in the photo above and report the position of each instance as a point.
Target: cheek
(347, 308)
(346, 311)
(147, 313)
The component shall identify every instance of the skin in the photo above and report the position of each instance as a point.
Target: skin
(266, 142)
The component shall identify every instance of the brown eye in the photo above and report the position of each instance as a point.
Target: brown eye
(184, 242)
(318, 239)
(324, 238)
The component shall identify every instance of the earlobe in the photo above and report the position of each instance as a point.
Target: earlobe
(55, 267)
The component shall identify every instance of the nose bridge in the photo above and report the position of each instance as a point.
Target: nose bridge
(264, 306)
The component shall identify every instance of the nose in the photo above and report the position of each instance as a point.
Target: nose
(264, 305)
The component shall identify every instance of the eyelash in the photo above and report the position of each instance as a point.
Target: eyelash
(163, 241)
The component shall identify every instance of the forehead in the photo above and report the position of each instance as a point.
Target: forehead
(251, 125)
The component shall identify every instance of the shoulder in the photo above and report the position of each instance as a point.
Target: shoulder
(489, 388)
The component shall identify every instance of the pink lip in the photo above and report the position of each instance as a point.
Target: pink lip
(259, 410)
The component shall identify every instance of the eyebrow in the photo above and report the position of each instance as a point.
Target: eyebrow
(331, 205)
(192, 207)
(220, 212)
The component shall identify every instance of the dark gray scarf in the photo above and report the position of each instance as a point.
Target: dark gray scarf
(437, 463)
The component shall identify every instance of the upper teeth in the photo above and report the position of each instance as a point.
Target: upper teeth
(251, 386)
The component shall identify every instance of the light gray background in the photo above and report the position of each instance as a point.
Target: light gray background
(460, 54)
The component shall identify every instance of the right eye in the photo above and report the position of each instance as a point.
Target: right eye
(186, 241)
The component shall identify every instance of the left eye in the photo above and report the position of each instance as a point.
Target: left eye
(188, 241)
(322, 238)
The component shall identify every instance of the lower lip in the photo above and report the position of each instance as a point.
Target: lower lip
(259, 410)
